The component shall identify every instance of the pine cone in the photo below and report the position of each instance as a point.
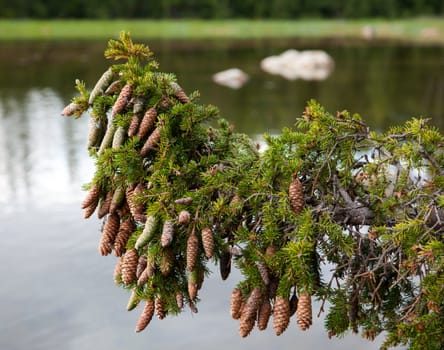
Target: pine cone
(129, 267)
(193, 307)
(264, 272)
(119, 137)
(118, 271)
(151, 142)
(160, 308)
(134, 125)
(147, 123)
(133, 301)
(193, 284)
(264, 315)
(146, 316)
(89, 210)
(138, 105)
(126, 229)
(92, 196)
(167, 233)
(147, 233)
(148, 272)
(208, 242)
(70, 109)
(180, 94)
(141, 265)
(184, 217)
(192, 251)
(114, 88)
(184, 201)
(293, 304)
(304, 312)
(225, 264)
(101, 85)
(122, 100)
(104, 205)
(296, 194)
(117, 200)
(107, 139)
(236, 303)
(96, 129)
(246, 325)
(253, 303)
(179, 300)
(109, 233)
(167, 261)
(281, 315)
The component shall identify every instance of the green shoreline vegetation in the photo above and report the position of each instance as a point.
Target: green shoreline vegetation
(423, 30)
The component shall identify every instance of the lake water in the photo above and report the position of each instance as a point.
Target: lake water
(57, 292)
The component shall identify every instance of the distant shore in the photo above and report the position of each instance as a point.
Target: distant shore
(418, 30)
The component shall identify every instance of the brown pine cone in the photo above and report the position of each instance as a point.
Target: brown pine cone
(147, 123)
(122, 100)
(192, 251)
(126, 229)
(109, 233)
(146, 316)
(184, 217)
(129, 267)
(118, 271)
(235, 303)
(91, 197)
(179, 300)
(114, 88)
(304, 312)
(225, 264)
(137, 209)
(151, 142)
(193, 286)
(184, 201)
(263, 315)
(281, 315)
(208, 242)
(148, 272)
(180, 94)
(89, 210)
(70, 109)
(252, 304)
(141, 265)
(264, 272)
(296, 195)
(167, 233)
(160, 308)
(246, 325)
(104, 205)
(134, 125)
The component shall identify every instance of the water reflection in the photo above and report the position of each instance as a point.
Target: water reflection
(57, 291)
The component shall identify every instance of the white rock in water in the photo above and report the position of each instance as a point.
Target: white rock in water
(233, 78)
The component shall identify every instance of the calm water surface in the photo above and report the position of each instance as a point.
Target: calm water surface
(57, 292)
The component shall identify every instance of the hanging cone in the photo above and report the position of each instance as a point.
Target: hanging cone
(252, 304)
(141, 265)
(235, 303)
(208, 242)
(184, 217)
(107, 138)
(138, 210)
(151, 142)
(101, 85)
(119, 137)
(147, 123)
(134, 125)
(246, 325)
(192, 251)
(281, 315)
(104, 205)
(272, 287)
(296, 195)
(96, 129)
(147, 233)
(114, 88)
(146, 316)
(167, 261)
(264, 272)
(91, 197)
(180, 94)
(126, 229)
(179, 300)
(193, 284)
(70, 109)
(263, 315)
(133, 301)
(109, 233)
(293, 304)
(304, 312)
(149, 270)
(167, 233)
(225, 264)
(122, 100)
(193, 307)
(160, 308)
(118, 271)
(117, 200)
(138, 105)
(129, 267)
(89, 210)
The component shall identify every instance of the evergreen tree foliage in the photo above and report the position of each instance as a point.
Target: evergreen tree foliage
(329, 210)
